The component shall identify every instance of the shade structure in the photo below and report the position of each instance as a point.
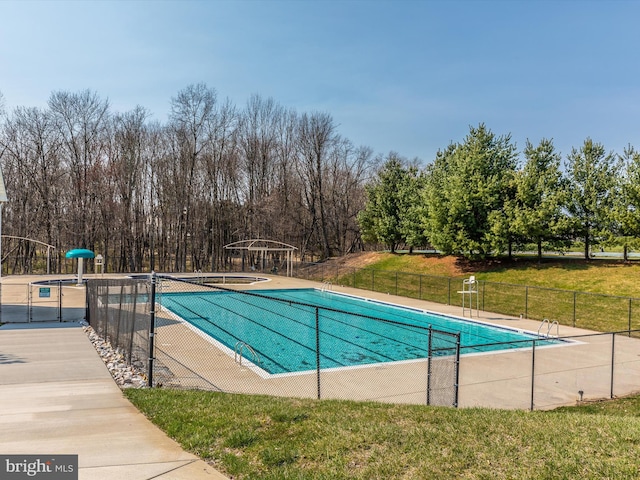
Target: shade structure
(80, 254)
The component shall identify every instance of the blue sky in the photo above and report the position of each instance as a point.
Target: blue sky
(404, 76)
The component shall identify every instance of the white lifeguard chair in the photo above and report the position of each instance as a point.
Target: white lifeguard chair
(469, 289)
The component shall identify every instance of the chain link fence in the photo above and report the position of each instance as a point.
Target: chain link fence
(223, 338)
(211, 337)
(119, 311)
(605, 313)
(46, 301)
(581, 368)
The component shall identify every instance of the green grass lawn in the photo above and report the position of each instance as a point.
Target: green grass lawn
(594, 276)
(259, 437)
(524, 286)
(597, 276)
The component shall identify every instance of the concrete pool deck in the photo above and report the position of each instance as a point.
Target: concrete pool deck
(579, 369)
(562, 374)
(59, 398)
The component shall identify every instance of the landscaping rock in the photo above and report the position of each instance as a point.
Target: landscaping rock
(126, 376)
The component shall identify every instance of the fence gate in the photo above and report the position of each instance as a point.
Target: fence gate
(443, 368)
(54, 301)
(45, 302)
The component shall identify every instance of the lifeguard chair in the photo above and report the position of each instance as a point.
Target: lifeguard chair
(469, 290)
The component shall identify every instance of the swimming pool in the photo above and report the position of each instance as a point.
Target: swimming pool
(208, 278)
(352, 331)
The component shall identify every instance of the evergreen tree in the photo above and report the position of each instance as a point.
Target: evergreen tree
(592, 179)
(414, 210)
(536, 212)
(627, 212)
(467, 190)
(386, 217)
(436, 218)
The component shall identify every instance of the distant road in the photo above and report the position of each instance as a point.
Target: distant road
(596, 255)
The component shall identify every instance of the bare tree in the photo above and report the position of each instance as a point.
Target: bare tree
(316, 139)
(33, 176)
(192, 112)
(257, 139)
(347, 170)
(81, 119)
(168, 196)
(127, 168)
(220, 193)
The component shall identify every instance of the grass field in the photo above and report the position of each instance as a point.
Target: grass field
(569, 273)
(597, 276)
(598, 295)
(258, 437)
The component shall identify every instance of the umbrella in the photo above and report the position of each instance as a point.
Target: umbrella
(80, 254)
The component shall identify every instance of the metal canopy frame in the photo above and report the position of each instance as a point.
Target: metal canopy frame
(49, 247)
(263, 246)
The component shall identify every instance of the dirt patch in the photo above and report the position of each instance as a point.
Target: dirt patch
(429, 264)
(357, 260)
(440, 265)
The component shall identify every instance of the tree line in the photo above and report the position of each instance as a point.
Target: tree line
(477, 199)
(168, 196)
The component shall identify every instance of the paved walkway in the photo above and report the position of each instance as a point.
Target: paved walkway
(59, 398)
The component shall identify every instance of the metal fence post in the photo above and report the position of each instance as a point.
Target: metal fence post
(318, 350)
(457, 384)
(613, 352)
(152, 328)
(86, 313)
(575, 294)
(396, 283)
(429, 366)
(133, 320)
(117, 335)
(526, 301)
(133, 330)
(629, 316)
(533, 373)
(30, 303)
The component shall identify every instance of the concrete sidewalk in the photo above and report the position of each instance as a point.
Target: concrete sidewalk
(59, 398)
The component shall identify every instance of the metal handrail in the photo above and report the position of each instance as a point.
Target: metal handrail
(549, 327)
(555, 322)
(237, 353)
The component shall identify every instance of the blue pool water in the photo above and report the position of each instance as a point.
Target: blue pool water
(283, 333)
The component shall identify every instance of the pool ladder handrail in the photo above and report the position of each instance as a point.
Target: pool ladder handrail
(237, 353)
(326, 286)
(549, 328)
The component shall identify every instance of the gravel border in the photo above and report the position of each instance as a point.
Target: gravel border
(125, 376)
